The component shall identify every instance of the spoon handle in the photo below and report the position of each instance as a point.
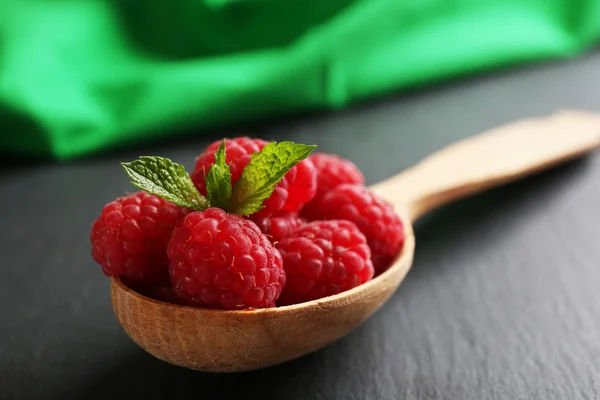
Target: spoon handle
(493, 158)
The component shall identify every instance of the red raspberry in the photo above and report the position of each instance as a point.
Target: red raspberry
(130, 237)
(332, 171)
(296, 188)
(302, 181)
(374, 217)
(278, 226)
(324, 258)
(221, 260)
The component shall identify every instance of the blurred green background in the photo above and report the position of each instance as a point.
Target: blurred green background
(81, 76)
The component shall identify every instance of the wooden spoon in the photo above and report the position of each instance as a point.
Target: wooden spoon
(213, 340)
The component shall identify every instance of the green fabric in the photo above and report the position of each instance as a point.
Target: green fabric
(78, 76)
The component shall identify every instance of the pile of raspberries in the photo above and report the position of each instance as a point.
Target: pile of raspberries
(321, 232)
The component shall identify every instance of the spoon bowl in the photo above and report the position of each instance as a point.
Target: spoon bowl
(228, 341)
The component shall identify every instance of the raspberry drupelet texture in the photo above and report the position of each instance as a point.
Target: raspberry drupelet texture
(296, 188)
(374, 217)
(130, 237)
(302, 185)
(223, 261)
(332, 170)
(279, 226)
(324, 258)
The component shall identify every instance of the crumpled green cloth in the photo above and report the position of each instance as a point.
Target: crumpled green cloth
(79, 76)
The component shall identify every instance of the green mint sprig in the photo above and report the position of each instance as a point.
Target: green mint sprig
(169, 180)
(166, 179)
(218, 181)
(263, 173)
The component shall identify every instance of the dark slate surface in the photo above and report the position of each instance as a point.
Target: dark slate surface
(503, 301)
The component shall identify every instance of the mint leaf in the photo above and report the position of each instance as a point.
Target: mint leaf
(164, 178)
(266, 168)
(218, 181)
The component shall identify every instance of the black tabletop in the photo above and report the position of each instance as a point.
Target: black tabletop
(503, 301)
